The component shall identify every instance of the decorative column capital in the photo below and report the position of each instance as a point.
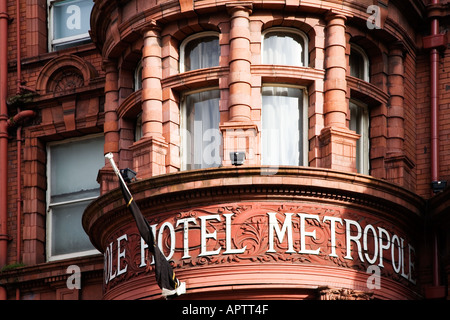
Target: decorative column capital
(109, 65)
(331, 16)
(397, 48)
(151, 28)
(234, 8)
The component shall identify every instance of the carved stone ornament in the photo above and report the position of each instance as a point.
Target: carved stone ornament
(67, 80)
(327, 293)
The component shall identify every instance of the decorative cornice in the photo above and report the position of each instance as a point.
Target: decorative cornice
(51, 272)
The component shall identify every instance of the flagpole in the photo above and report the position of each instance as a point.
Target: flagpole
(144, 229)
(110, 156)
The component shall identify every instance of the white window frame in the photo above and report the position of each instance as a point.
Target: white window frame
(366, 61)
(305, 49)
(304, 115)
(189, 39)
(67, 40)
(363, 157)
(49, 205)
(183, 125)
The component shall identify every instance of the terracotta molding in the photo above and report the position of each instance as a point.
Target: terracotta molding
(49, 272)
(129, 107)
(188, 188)
(195, 79)
(60, 63)
(299, 75)
(230, 281)
(171, 11)
(367, 89)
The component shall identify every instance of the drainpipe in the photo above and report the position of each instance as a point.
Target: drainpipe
(18, 54)
(17, 120)
(434, 96)
(19, 200)
(434, 42)
(3, 137)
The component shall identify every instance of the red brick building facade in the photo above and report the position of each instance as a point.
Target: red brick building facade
(340, 108)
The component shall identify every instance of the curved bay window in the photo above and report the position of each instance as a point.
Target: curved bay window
(200, 51)
(284, 46)
(359, 122)
(283, 126)
(359, 63)
(201, 137)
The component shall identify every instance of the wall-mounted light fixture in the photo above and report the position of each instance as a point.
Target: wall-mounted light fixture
(237, 158)
(128, 175)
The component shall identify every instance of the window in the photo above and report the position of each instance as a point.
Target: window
(200, 51)
(283, 126)
(138, 127)
(201, 136)
(359, 63)
(138, 77)
(69, 23)
(72, 168)
(359, 122)
(284, 46)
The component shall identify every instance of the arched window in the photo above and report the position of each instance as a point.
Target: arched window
(359, 122)
(138, 77)
(201, 137)
(359, 63)
(283, 126)
(285, 46)
(200, 51)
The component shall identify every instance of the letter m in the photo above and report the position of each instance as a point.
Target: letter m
(274, 226)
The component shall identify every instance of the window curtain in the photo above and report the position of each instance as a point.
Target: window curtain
(202, 53)
(202, 129)
(359, 122)
(356, 62)
(283, 49)
(282, 126)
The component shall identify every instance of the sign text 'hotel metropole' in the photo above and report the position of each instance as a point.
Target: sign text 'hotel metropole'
(287, 233)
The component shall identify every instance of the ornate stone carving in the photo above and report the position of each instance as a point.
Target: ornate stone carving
(327, 293)
(67, 80)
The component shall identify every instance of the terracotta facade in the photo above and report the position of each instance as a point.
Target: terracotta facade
(353, 220)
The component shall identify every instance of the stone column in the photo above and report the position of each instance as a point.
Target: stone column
(240, 76)
(239, 132)
(396, 163)
(338, 143)
(106, 176)
(110, 127)
(395, 121)
(335, 85)
(149, 153)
